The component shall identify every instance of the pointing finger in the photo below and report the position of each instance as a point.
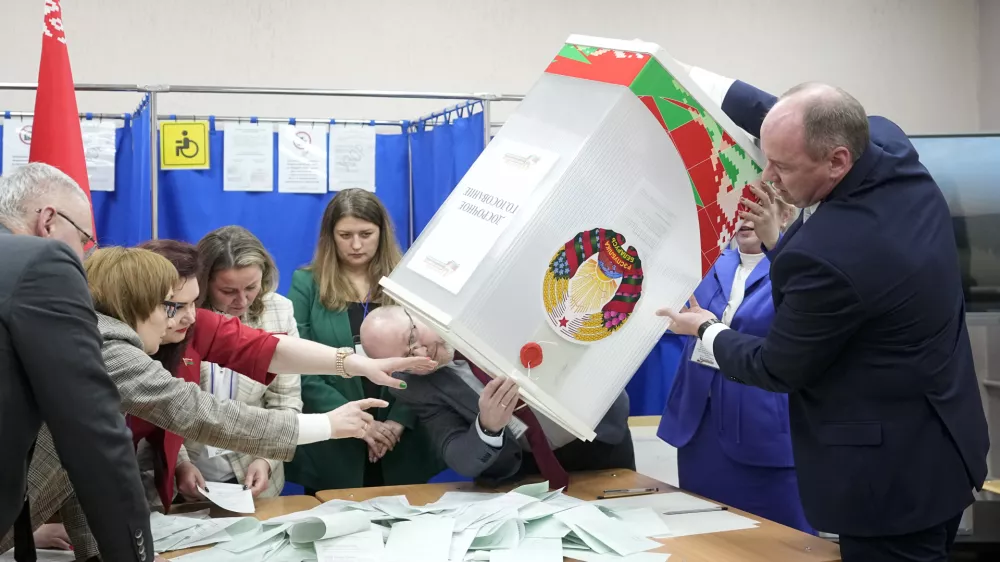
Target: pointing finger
(366, 403)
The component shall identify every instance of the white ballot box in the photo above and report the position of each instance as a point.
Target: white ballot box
(607, 195)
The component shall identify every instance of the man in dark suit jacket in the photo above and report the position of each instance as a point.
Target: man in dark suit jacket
(475, 423)
(51, 368)
(869, 338)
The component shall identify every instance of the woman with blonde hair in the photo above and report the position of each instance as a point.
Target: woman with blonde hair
(332, 296)
(240, 277)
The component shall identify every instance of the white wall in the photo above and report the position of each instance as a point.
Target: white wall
(989, 65)
(914, 60)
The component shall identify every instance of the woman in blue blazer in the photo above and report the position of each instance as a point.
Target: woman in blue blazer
(733, 443)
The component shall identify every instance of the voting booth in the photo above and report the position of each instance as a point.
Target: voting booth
(607, 195)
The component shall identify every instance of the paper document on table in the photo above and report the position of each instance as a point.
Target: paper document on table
(460, 543)
(291, 552)
(546, 528)
(397, 507)
(266, 550)
(538, 490)
(251, 541)
(484, 512)
(590, 524)
(686, 524)
(643, 522)
(456, 500)
(586, 556)
(205, 532)
(231, 497)
(427, 539)
(660, 503)
(531, 550)
(505, 534)
(163, 526)
(328, 508)
(329, 526)
(366, 546)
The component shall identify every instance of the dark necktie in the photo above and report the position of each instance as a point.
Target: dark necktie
(546, 460)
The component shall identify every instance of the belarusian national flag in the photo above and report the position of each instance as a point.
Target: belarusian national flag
(56, 138)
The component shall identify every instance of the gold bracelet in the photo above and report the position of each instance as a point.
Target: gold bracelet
(342, 354)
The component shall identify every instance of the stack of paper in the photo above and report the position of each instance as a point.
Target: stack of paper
(608, 194)
(529, 524)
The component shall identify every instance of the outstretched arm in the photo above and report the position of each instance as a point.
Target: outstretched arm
(743, 103)
(819, 313)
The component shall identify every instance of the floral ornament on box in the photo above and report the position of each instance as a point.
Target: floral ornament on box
(592, 285)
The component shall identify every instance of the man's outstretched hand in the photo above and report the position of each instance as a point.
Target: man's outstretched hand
(688, 320)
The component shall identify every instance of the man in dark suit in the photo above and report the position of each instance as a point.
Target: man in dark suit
(869, 338)
(477, 424)
(51, 368)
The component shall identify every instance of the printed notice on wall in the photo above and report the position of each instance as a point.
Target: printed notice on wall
(16, 143)
(479, 210)
(248, 157)
(302, 159)
(99, 149)
(352, 157)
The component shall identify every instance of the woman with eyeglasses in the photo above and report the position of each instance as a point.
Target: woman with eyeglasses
(332, 296)
(137, 295)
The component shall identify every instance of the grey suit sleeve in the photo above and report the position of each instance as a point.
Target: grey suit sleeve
(150, 392)
(456, 439)
(55, 336)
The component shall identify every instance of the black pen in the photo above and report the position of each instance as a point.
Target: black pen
(702, 510)
(627, 492)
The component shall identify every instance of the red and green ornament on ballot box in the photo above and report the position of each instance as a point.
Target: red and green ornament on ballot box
(593, 283)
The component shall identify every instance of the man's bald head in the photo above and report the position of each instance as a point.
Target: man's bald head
(390, 331)
(811, 138)
(384, 331)
(827, 116)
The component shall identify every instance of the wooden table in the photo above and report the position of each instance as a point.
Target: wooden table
(769, 542)
(266, 509)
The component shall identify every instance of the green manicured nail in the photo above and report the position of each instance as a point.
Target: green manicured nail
(402, 385)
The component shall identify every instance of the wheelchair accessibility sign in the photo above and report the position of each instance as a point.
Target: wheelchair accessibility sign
(184, 145)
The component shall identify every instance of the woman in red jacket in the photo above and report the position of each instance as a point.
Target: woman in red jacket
(198, 334)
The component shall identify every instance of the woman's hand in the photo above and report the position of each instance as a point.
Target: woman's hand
(769, 213)
(52, 535)
(188, 479)
(351, 419)
(379, 371)
(257, 476)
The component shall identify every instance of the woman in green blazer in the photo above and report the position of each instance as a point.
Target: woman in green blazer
(331, 297)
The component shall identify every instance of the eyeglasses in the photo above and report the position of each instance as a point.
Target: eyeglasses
(85, 236)
(171, 307)
(412, 342)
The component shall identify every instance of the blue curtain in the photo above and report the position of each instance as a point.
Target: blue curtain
(192, 203)
(123, 217)
(441, 156)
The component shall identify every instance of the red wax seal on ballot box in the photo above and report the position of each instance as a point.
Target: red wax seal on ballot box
(531, 355)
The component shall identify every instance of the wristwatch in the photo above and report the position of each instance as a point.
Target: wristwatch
(489, 433)
(339, 369)
(703, 327)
